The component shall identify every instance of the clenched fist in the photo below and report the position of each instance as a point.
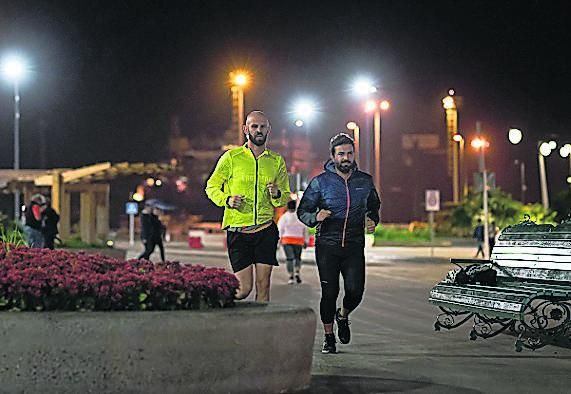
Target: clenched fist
(323, 214)
(235, 202)
(370, 226)
(273, 189)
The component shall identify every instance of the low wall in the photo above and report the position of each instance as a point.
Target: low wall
(249, 348)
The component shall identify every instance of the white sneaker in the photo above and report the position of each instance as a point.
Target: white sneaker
(290, 281)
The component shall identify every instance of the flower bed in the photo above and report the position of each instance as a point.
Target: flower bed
(43, 279)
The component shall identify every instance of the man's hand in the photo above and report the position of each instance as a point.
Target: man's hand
(370, 226)
(235, 202)
(323, 214)
(273, 189)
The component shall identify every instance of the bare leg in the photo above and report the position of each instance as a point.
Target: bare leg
(245, 277)
(263, 275)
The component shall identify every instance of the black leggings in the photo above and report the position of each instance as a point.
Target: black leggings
(350, 262)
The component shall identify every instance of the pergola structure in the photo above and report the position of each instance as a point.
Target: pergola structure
(92, 184)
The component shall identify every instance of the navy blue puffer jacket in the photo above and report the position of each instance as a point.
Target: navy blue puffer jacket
(349, 202)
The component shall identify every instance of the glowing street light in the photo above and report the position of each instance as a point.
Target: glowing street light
(451, 111)
(299, 123)
(239, 79)
(14, 70)
(304, 109)
(515, 136)
(363, 87)
(354, 127)
(459, 139)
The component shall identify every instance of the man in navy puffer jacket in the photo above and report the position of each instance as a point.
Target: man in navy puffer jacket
(342, 202)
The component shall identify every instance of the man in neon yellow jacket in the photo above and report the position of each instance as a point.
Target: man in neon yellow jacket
(250, 181)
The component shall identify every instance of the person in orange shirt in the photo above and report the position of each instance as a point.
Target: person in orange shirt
(294, 237)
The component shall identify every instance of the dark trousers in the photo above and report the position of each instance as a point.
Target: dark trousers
(150, 248)
(350, 263)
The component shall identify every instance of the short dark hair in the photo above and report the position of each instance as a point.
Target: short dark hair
(340, 139)
(291, 205)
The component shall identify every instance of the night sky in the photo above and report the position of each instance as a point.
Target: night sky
(108, 75)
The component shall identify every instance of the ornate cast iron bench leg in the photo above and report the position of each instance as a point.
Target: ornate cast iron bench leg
(448, 319)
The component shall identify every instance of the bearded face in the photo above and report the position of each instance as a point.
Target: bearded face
(257, 129)
(344, 158)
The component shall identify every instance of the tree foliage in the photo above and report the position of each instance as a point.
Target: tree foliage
(460, 220)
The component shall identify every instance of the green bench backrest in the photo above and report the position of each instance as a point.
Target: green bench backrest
(534, 252)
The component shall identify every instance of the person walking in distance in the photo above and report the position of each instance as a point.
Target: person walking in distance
(250, 181)
(152, 231)
(342, 202)
(293, 237)
(50, 219)
(33, 224)
(479, 237)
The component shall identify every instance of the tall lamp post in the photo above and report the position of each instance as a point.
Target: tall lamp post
(565, 151)
(545, 149)
(515, 136)
(354, 127)
(239, 79)
(449, 105)
(481, 144)
(14, 70)
(463, 180)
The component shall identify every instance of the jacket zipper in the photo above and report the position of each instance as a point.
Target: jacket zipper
(346, 213)
(256, 195)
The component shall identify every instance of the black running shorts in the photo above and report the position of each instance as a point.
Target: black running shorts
(246, 249)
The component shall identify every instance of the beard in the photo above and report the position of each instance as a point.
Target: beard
(345, 166)
(257, 139)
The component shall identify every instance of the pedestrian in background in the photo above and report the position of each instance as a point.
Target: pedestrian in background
(152, 231)
(479, 237)
(50, 219)
(33, 224)
(294, 237)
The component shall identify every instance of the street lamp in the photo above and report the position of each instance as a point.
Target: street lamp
(564, 152)
(460, 140)
(377, 129)
(239, 79)
(363, 87)
(450, 108)
(515, 136)
(544, 150)
(354, 127)
(14, 71)
(482, 144)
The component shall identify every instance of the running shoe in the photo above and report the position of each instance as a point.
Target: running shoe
(343, 331)
(329, 344)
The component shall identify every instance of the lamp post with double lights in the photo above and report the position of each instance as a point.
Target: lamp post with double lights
(14, 71)
(449, 105)
(481, 144)
(564, 152)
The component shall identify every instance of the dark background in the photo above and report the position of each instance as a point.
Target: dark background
(108, 75)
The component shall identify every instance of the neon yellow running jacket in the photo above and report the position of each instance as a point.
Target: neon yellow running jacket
(238, 172)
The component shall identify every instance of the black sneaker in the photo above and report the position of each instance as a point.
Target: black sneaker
(329, 344)
(343, 331)
(298, 279)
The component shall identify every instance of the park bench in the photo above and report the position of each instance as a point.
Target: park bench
(531, 291)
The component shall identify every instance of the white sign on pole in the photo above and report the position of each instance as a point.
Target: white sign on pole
(432, 200)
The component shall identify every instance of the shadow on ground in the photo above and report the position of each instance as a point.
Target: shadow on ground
(338, 384)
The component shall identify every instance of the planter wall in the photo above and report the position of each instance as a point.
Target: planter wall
(249, 348)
